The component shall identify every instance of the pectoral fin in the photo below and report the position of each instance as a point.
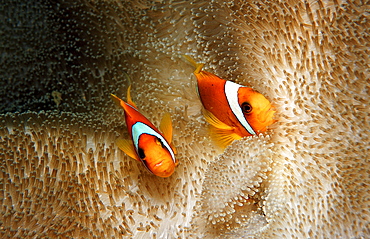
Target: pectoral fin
(173, 148)
(166, 127)
(210, 118)
(223, 137)
(126, 146)
(221, 133)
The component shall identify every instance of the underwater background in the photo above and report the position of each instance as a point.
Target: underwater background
(61, 174)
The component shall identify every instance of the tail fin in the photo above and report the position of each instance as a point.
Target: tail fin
(116, 99)
(129, 100)
(198, 66)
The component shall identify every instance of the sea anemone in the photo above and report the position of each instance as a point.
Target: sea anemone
(63, 176)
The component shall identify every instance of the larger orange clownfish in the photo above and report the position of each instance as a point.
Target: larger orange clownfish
(147, 143)
(232, 110)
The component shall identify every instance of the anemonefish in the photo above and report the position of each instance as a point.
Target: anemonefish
(147, 143)
(232, 110)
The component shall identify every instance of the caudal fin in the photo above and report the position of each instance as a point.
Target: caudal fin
(198, 66)
(116, 99)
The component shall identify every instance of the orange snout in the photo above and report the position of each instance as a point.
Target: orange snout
(157, 158)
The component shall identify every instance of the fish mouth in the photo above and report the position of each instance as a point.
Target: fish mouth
(266, 115)
(152, 168)
(159, 163)
(163, 172)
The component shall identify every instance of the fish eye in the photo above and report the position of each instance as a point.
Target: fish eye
(159, 142)
(141, 153)
(246, 107)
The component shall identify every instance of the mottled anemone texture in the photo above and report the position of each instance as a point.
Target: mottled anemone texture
(63, 176)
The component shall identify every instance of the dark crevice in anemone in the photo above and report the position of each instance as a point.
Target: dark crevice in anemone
(70, 48)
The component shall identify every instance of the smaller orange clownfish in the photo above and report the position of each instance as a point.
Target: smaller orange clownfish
(232, 110)
(147, 145)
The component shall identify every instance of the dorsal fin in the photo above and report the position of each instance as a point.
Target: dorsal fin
(129, 100)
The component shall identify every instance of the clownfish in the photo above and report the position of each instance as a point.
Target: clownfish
(232, 110)
(147, 145)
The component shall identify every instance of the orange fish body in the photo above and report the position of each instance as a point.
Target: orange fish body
(233, 111)
(147, 143)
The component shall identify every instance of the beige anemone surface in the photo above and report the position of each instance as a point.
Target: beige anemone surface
(62, 175)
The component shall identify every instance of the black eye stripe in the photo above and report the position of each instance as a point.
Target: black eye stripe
(138, 129)
(141, 153)
(161, 143)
